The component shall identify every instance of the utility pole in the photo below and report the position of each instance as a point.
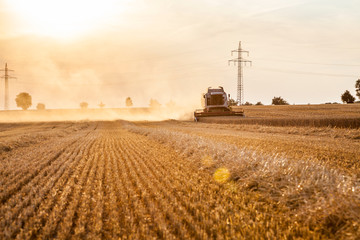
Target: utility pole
(240, 83)
(6, 77)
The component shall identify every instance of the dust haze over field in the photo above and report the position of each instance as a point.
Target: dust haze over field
(175, 50)
(62, 78)
(129, 114)
(107, 65)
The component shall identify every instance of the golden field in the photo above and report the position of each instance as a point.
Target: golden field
(305, 111)
(324, 115)
(182, 179)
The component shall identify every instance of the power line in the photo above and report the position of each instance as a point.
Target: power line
(309, 63)
(306, 73)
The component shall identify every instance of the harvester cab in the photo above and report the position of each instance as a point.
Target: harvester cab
(215, 104)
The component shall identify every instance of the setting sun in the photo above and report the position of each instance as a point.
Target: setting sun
(64, 18)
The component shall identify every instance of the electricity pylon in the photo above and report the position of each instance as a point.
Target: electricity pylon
(240, 82)
(6, 77)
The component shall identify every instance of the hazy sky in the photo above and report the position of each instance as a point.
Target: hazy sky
(67, 51)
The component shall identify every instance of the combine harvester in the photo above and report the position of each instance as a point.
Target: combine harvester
(216, 107)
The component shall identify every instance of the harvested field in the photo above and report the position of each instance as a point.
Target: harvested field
(178, 180)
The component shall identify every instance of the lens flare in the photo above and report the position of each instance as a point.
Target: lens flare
(222, 175)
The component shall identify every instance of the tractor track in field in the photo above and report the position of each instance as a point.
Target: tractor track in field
(102, 180)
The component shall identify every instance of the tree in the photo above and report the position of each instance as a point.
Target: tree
(357, 86)
(128, 102)
(279, 101)
(259, 104)
(248, 104)
(40, 106)
(232, 102)
(154, 103)
(23, 100)
(101, 105)
(346, 97)
(84, 105)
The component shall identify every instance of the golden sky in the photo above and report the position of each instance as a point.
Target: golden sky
(67, 51)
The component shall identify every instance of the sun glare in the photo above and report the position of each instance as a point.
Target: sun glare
(64, 18)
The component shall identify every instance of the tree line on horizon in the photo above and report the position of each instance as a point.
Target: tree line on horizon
(346, 97)
(24, 101)
(274, 101)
